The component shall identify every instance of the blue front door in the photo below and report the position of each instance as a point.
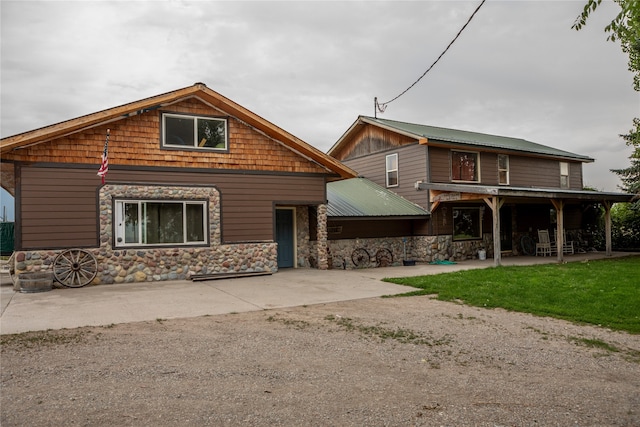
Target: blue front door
(284, 237)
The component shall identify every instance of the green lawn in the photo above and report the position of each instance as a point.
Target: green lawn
(604, 292)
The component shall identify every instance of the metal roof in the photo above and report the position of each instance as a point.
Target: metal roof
(474, 138)
(359, 197)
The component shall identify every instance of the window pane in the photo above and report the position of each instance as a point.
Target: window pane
(211, 133)
(131, 230)
(504, 177)
(178, 131)
(392, 178)
(503, 162)
(466, 223)
(163, 223)
(463, 166)
(392, 162)
(195, 222)
(564, 168)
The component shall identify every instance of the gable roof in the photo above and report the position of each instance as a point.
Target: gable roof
(199, 91)
(359, 197)
(429, 134)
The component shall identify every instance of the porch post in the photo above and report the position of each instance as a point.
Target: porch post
(607, 227)
(495, 203)
(559, 205)
(323, 262)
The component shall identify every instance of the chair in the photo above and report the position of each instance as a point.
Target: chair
(567, 245)
(544, 246)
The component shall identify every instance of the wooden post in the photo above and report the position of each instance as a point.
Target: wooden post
(559, 205)
(495, 203)
(607, 227)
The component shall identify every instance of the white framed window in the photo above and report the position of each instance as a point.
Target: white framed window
(503, 169)
(467, 223)
(392, 170)
(564, 175)
(160, 222)
(465, 166)
(194, 132)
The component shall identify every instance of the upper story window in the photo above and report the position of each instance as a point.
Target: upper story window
(503, 169)
(564, 175)
(392, 170)
(465, 166)
(160, 222)
(204, 133)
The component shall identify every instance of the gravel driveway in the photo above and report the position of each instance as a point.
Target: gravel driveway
(373, 362)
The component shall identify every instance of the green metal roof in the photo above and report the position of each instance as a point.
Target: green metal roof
(474, 139)
(359, 197)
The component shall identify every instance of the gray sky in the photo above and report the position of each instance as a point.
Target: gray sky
(311, 68)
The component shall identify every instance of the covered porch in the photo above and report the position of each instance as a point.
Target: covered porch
(495, 197)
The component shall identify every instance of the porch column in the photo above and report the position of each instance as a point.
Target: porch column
(607, 227)
(559, 205)
(495, 203)
(323, 261)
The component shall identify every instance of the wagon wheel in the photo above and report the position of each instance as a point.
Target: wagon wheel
(384, 257)
(75, 268)
(528, 245)
(360, 257)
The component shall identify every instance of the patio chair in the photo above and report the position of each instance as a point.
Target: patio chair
(544, 246)
(567, 245)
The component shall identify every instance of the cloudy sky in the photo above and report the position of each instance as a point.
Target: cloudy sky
(312, 67)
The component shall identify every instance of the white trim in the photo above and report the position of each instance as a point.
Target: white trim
(396, 170)
(507, 170)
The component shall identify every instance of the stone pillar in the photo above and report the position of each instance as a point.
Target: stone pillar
(323, 263)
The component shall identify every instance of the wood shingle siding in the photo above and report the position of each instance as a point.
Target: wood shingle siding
(59, 207)
(136, 141)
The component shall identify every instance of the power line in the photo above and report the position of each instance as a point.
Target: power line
(383, 106)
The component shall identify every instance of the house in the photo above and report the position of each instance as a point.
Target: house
(475, 186)
(196, 185)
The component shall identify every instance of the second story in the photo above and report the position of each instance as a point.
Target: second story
(401, 155)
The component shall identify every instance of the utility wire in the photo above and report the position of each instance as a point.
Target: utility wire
(383, 106)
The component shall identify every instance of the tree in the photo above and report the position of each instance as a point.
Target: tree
(625, 28)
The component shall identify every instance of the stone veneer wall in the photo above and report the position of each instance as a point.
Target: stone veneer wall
(117, 265)
(418, 248)
(302, 236)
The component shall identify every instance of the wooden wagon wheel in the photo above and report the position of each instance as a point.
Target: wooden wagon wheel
(384, 257)
(75, 268)
(360, 257)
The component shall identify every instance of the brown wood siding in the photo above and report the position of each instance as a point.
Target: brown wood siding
(575, 176)
(532, 172)
(489, 168)
(412, 161)
(135, 141)
(440, 164)
(58, 205)
(370, 139)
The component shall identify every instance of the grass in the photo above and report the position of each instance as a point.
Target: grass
(603, 292)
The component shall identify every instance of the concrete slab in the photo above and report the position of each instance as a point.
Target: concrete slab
(133, 302)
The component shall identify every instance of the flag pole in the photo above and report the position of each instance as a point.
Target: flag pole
(104, 165)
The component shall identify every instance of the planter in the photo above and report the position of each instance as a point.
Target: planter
(482, 254)
(35, 282)
(408, 262)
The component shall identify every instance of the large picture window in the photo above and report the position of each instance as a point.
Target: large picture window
(205, 133)
(392, 170)
(467, 223)
(465, 166)
(160, 222)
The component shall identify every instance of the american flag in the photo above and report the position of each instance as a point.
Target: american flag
(104, 166)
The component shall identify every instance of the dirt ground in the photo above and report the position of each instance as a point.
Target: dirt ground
(374, 362)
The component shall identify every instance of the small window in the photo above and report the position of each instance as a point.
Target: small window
(160, 222)
(467, 223)
(564, 175)
(503, 169)
(465, 166)
(392, 170)
(204, 133)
